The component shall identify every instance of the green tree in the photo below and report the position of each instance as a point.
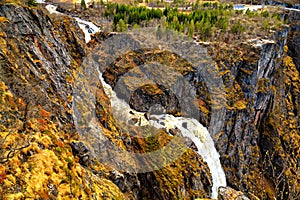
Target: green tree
(191, 29)
(135, 26)
(237, 28)
(31, 3)
(197, 4)
(204, 30)
(265, 14)
(122, 26)
(83, 5)
(222, 23)
(166, 11)
(266, 25)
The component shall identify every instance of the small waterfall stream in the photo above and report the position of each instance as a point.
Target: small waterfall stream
(190, 128)
(52, 9)
(88, 28)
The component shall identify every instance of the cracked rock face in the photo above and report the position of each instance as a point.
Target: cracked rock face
(227, 193)
(40, 57)
(258, 143)
(258, 154)
(146, 99)
(36, 63)
(255, 148)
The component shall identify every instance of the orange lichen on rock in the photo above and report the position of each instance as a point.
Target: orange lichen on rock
(37, 163)
(2, 173)
(3, 19)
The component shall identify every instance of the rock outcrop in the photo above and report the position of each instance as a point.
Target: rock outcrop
(38, 59)
(41, 152)
(227, 193)
(259, 140)
(41, 157)
(262, 133)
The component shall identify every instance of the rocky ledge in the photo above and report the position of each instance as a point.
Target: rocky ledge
(43, 156)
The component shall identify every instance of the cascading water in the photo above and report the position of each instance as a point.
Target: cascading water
(192, 129)
(52, 9)
(88, 28)
(189, 127)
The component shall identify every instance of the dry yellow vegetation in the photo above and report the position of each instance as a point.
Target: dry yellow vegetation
(36, 162)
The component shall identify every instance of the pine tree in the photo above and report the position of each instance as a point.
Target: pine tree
(191, 29)
(83, 5)
(121, 26)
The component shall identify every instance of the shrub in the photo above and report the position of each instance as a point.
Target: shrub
(265, 14)
(31, 3)
(237, 28)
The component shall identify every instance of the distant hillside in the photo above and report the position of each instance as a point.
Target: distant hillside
(290, 2)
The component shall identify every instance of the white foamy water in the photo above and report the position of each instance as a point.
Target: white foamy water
(88, 28)
(52, 9)
(189, 127)
(192, 129)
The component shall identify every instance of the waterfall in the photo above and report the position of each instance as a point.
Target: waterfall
(52, 9)
(189, 127)
(88, 28)
(192, 129)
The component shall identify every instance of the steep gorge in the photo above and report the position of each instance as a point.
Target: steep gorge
(39, 64)
(41, 57)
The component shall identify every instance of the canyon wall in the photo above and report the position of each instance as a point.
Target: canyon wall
(42, 154)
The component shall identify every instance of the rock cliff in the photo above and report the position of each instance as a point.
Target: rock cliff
(42, 155)
(261, 154)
